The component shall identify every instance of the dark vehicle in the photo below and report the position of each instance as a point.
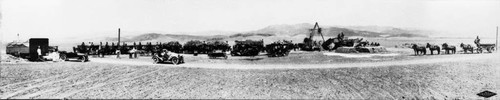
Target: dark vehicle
(279, 48)
(247, 48)
(174, 46)
(217, 49)
(194, 47)
(173, 58)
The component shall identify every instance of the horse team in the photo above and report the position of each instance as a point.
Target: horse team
(449, 49)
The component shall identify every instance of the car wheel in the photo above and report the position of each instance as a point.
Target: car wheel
(155, 61)
(63, 57)
(175, 60)
(83, 59)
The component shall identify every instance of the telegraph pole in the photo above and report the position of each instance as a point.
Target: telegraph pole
(496, 43)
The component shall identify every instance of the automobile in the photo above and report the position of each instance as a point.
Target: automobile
(56, 55)
(81, 57)
(173, 58)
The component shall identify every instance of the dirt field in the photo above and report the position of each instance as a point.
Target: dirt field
(300, 76)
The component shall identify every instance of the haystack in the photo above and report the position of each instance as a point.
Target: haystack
(376, 49)
(346, 50)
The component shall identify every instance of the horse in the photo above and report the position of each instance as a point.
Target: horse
(467, 47)
(433, 47)
(449, 48)
(418, 49)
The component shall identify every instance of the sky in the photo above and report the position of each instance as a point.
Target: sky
(64, 20)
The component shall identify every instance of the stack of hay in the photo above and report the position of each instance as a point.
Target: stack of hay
(377, 49)
(346, 50)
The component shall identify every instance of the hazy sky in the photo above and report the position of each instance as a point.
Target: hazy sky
(59, 19)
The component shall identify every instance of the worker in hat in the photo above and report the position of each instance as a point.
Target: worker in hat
(477, 41)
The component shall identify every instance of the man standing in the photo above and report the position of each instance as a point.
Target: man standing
(118, 53)
(133, 53)
(168, 54)
(477, 41)
(39, 53)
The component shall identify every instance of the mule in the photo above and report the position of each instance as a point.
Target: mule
(433, 47)
(467, 47)
(416, 48)
(449, 48)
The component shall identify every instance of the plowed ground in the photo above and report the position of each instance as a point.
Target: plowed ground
(459, 76)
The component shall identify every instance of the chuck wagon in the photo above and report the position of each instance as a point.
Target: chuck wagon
(279, 48)
(217, 49)
(247, 48)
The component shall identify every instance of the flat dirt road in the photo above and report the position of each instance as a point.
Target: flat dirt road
(426, 59)
(314, 76)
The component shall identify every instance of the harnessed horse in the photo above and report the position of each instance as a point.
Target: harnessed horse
(467, 47)
(416, 48)
(449, 48)
(433, 47)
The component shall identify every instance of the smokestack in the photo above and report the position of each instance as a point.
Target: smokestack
(118, 37)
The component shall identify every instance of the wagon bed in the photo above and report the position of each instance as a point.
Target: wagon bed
(488, 47)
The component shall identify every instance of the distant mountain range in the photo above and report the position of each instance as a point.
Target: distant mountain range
(296, 32)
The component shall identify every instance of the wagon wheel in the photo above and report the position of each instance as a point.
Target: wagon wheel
(63, 57)
(155, 60)
(488, 49)
(225, 56)
(175, 60)
(83, 59)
